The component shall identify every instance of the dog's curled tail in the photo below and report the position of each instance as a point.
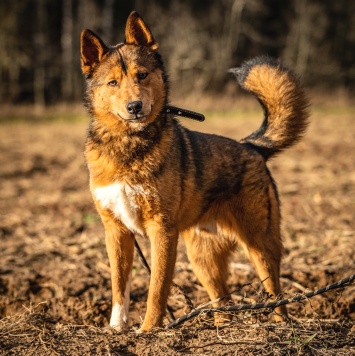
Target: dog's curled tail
(283, 100)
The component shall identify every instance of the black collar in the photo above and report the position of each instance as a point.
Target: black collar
(173, 110)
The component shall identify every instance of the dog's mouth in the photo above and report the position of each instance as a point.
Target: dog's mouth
(139, 118)
(134, 118)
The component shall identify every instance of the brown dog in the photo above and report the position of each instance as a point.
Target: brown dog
(151, 176)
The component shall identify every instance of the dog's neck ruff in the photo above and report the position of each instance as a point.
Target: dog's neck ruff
(173, 110)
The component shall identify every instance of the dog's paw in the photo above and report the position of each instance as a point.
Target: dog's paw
(113, 329)
(146, 329)
(139, 331)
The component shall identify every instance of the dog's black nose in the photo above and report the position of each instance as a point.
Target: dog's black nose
(134, 107)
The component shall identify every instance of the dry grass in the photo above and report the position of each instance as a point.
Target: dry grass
(35, 331)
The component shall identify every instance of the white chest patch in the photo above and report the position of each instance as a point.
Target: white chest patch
(121, 199)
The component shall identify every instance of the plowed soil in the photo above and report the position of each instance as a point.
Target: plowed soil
(54, 272)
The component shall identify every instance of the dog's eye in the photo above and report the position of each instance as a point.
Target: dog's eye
(142, 75)
(113, 83)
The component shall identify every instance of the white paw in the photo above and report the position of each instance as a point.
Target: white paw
(118, 317)
(112, 329)
(117, 328)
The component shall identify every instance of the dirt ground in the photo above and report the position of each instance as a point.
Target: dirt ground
(54, 272)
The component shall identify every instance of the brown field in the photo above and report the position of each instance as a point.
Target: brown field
(54, 272)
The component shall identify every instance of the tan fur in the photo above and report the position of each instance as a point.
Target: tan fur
(151, 176)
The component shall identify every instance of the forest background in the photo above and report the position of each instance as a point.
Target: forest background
(200, 40)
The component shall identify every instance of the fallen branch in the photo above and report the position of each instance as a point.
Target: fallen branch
(269, 305)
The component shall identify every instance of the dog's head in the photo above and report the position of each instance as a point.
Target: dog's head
(127, 84)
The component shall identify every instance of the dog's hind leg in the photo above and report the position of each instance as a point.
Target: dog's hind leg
(260, 235)
(209, 256)
(266, 260)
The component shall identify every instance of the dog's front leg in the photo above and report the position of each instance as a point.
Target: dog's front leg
(163, 256)
(120, 249)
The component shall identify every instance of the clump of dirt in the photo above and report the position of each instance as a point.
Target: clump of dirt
(55, 278)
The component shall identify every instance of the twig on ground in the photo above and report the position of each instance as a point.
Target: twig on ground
(270, 305)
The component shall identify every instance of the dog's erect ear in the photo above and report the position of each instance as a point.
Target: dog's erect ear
(92, 50)
(138, 33)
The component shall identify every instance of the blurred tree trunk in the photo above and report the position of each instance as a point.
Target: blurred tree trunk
(107, 21)
(298, 43)
(40, 56)
(67, 50)
(13, 58)
(87, 16)
(9, 67)
(227, 43)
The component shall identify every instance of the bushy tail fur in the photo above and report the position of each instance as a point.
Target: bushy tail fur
(283, 100)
